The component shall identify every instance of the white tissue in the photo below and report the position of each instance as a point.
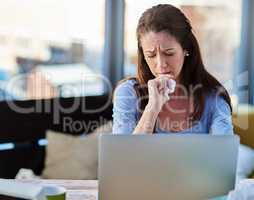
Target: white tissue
(171, 86)
(245, 163)
(243, 191)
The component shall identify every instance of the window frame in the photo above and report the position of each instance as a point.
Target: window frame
(245, 93)
(113, 67)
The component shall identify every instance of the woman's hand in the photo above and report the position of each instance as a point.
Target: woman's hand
(159, 90)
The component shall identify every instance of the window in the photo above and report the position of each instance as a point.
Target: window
(216, 25)
(52, 48)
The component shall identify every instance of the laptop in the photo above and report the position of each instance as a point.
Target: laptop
(165, 167)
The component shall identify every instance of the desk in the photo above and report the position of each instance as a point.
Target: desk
(76, 189)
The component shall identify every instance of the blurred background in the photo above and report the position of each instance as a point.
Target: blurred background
(54, 53)
(59, 43)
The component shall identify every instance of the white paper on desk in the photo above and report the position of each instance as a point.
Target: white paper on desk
(30, 191)
(22, 190)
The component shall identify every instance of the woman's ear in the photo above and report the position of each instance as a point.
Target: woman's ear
(186, 53)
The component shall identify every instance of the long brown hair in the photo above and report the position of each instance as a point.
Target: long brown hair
(169, 19)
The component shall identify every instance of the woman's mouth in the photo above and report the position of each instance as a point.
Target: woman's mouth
(167, 74)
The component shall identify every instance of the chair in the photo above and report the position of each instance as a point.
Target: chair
(22, 135)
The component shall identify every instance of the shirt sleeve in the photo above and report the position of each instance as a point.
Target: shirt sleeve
(124, 109)
(221, 120)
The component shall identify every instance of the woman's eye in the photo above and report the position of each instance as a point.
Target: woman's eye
(169, 54)
(150, 56)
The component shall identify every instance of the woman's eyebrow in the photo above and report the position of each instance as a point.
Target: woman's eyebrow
(165, 49)
(149, 50)
(169, 49)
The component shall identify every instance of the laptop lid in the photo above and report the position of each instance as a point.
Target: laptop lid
(175, 166)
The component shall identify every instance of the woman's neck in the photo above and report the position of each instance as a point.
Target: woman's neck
(180, 91)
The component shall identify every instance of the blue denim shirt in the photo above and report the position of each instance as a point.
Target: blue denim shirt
(216, 117)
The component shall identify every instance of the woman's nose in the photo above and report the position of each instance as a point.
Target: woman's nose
(161, 62)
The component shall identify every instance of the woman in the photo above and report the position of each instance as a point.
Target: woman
(172, 92)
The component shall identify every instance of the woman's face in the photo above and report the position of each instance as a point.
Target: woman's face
(163, 54)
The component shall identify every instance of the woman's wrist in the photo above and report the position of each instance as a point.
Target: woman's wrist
(153, 108)
(147, 121)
